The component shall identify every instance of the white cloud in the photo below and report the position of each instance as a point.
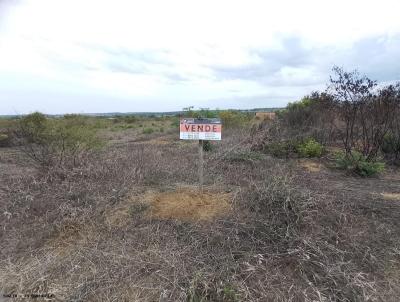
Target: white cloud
(168, 54)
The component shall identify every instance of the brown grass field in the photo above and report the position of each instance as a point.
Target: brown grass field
(132, 225)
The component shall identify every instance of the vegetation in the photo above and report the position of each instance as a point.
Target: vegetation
(351, 112)
(4, 140)
(358, 163)
(148, 130)
(207, 146)
(64, 143)
(280, 148)
(232, 119)
(310, 148)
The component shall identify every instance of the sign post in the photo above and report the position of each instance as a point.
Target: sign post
(200, 129)
(201, 165)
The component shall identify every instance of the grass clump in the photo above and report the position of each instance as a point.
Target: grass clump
(148, 131)
(357, 163)
(310, 148)
(138, 208)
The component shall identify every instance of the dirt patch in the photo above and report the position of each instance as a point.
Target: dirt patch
(189, 204)
(184, 203)
(391, 196)
(311, 166)
(158, 141)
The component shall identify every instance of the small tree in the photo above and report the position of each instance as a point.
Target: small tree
(350, 92)
(377, 114)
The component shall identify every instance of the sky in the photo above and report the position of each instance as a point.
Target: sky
(92, 56)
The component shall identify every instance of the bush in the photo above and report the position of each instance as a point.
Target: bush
(148, 130)
(130, 119)
(310, 148)
(277, 206)
(391, 145)
(62, 142)
(4, 140)
(33, 127)
(175, 123)
(207, 146)
(357, 163)
(232, 118)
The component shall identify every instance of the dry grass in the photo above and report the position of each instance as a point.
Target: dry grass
(391, 196)
(183, 203)
(310, 166)
(122, 229)
(188, 204)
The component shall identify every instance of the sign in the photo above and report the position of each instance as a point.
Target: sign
(201, 129)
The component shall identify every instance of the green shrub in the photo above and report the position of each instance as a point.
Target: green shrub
(63, 142)
(122, 127)
(310, 148)
(391, 144)
(207, 146)
(357, 163)
(148, 130)
(175, 123)
(232, 118)
(33, 127)
(130, 119)
(4, 140)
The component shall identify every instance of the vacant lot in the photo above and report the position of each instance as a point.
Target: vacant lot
(132, 225)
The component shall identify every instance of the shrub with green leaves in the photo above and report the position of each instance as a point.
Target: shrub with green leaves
(391, 145)
(4, 140)
(233, 118)
(175, 122)
(207, 146)
(310, 148)
(62, 142)
(130, 119)
(148, 130)
(357, 163)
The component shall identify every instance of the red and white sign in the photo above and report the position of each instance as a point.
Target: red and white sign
(201, 129)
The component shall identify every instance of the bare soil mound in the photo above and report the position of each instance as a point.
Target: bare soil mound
(188, 204)
(184, 203)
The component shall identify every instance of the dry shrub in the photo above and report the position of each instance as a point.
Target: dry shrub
(277, 206)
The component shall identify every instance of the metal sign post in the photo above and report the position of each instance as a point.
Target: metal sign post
(200, 129)
(201, 165)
